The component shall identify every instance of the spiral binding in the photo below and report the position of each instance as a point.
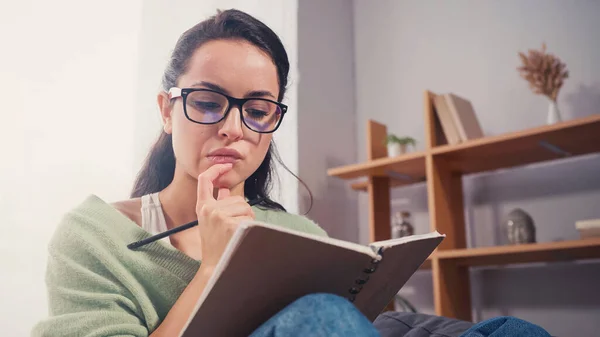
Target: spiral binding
(360, 282)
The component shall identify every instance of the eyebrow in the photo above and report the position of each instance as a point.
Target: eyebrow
(216, 87)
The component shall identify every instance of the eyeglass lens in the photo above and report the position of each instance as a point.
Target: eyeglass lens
(210, 107)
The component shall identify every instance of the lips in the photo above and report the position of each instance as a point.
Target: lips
(224, 156)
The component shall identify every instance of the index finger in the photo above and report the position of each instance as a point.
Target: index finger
(206, 178)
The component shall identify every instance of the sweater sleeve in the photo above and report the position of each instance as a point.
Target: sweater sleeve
(85, 295)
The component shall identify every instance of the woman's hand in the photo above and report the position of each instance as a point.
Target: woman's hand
(218, 218)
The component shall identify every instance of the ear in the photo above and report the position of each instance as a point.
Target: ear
(166, 108)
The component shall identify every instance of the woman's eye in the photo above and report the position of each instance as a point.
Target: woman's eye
(256, 114)
(207, 105)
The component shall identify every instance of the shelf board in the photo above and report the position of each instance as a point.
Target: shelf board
(548, 142)
(408, 168)
(362, 185)
(570, 138)
(524, 253)
(427, 264)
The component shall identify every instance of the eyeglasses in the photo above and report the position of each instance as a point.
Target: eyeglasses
(205, 106)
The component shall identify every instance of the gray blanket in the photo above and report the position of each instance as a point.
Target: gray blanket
(406, 324)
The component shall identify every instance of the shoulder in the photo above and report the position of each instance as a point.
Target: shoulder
(289, 220)
(130, 208)
(94, 225)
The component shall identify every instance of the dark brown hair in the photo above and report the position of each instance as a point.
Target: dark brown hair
(159, 167)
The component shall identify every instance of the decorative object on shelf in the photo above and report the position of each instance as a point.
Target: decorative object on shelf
(397, 146)
(553, 113)
(520, 226)
(401, 225)
(545, 73)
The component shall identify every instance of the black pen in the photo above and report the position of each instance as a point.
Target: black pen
(178, 229)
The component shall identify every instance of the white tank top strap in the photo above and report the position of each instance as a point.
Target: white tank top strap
(153, 218)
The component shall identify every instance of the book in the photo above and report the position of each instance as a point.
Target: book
(589, 228)
(446, 120)
(463, 115)
(457, 118)
(264, 268)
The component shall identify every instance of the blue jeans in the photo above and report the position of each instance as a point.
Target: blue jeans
(318, 315)
(333, 316)
(505, 326)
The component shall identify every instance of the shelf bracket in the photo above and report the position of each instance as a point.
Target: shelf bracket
(554, 148)
(399, 176)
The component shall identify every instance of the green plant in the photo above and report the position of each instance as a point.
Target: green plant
(391, 138)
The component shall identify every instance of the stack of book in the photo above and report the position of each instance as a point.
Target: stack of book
(457, 118)
(588, 228)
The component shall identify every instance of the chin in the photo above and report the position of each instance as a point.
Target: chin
(227, 181)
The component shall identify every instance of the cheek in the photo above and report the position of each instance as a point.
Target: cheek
(263, 145)
(188, 141)
(259, 150)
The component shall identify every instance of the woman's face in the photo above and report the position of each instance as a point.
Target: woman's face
(235, 68)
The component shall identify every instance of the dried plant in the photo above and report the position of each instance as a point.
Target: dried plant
(544, 71)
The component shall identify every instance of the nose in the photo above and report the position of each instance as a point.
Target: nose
(232, 126)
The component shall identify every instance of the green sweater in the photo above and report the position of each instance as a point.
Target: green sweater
(98, 287)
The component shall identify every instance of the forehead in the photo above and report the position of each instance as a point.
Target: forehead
(235, 65)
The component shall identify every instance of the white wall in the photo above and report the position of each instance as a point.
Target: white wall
(326, 114)
(67, 89)
(470, 48)
(79, 115)
(159, 34)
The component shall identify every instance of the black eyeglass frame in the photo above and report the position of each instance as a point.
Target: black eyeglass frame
(175, 92)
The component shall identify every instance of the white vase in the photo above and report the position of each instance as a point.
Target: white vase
(394, 149)
(553, 114)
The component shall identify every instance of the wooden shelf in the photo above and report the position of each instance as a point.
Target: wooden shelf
(524, 253)
(362, 185)
(409, 168)
(570, 138)
(427, 264)
(442, 168)
(548, 142)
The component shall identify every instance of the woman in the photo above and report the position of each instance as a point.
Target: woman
(220, 106)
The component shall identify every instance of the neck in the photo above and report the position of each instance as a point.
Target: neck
(179, 198)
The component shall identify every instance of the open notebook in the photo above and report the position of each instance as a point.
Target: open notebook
(264, 268)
